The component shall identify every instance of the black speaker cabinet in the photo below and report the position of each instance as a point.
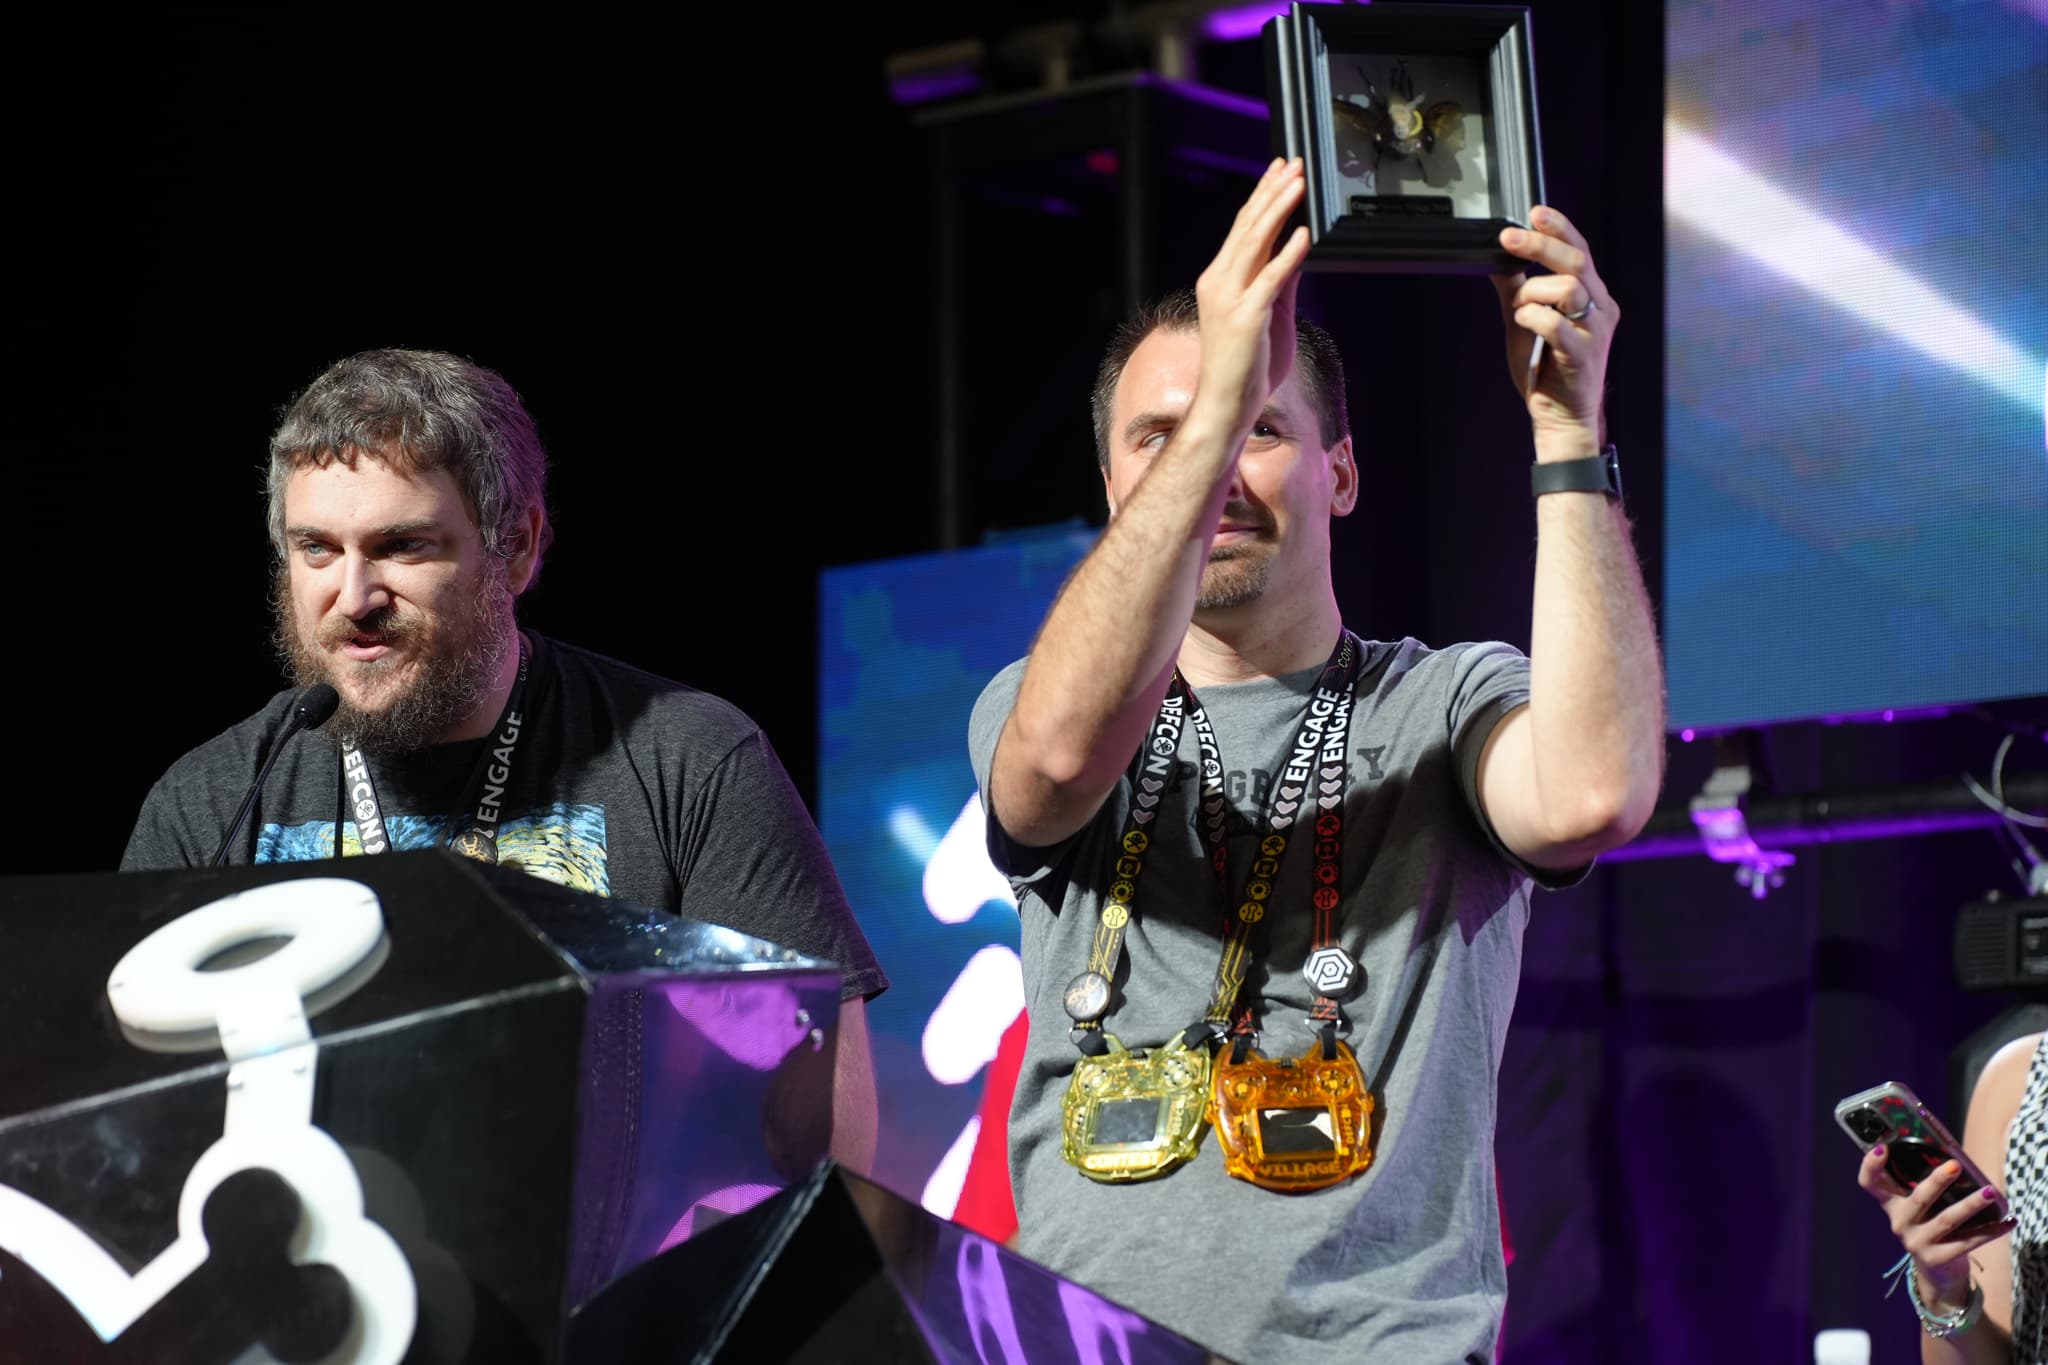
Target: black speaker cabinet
(508, 1098)
(839, 1271)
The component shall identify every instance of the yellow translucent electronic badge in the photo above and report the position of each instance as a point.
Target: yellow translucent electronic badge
(1134, 1115)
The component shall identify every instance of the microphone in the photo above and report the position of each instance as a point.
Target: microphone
(309, 712)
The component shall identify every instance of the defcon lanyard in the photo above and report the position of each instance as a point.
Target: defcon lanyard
(475, 834)
(1312, 781)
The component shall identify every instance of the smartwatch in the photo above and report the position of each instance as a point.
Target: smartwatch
(1595, 474)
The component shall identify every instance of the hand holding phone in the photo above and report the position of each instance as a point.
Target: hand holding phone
(1917, 1145)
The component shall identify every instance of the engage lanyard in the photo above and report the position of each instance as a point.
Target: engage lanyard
(1298, 1123)
(1313, 780)
(1136, 1115)
(476, 825)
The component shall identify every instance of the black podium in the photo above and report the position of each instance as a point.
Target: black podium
(839, 1271)
(536, 1092)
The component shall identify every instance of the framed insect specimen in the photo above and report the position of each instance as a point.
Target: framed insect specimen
(1417, 126)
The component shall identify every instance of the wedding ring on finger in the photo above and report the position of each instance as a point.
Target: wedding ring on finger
(1591, 304)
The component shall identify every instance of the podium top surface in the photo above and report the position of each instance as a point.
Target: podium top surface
(604, 936)
(457, 936)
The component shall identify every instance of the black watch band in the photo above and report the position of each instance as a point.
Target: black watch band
(1595, 474)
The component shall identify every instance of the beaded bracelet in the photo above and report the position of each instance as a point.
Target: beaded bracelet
(1937, 1325)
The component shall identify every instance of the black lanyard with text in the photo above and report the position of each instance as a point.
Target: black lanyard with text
(1314, 778)
(476, 825)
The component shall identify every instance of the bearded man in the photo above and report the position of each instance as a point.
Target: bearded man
(408, 513)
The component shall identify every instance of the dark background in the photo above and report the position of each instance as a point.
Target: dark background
(709, 271)
(705, 257)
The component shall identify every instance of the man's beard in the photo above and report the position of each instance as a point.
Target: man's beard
(454, 661)
(1234, 576)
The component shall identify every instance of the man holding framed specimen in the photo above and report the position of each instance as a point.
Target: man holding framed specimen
(1317, 961)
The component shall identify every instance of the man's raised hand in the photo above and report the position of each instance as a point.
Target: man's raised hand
(1246, 298)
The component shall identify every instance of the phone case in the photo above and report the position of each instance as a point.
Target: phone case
(1917, 1142)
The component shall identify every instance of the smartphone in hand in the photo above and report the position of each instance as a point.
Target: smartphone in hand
(1916, 1144)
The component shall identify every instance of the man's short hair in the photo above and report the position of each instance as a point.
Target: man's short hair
(417, 411)
(1315, 360)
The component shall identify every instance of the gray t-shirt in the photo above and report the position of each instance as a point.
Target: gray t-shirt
(1403, 1262)
(623, 784)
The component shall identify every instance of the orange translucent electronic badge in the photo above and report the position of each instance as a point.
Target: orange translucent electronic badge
(1292, 1125)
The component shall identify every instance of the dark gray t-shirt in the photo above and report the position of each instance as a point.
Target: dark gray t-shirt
(623, 784)
(1403, 1262)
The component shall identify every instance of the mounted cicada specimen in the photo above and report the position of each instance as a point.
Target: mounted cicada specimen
(1399, 122)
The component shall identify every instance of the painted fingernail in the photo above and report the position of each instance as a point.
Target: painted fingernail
(1987, 1193)
(1878, 1150)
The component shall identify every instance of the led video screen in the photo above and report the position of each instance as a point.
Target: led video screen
(907, 645)
(1856, 201)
